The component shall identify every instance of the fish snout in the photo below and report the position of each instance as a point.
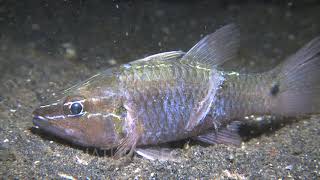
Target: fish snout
(39, 118)
(44, 114)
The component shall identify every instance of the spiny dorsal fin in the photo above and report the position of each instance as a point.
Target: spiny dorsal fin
(215, 48)
(165, 56)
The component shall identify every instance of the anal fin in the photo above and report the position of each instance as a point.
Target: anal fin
(225, 135)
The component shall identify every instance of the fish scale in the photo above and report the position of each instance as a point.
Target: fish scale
(159, 91)
(240, 99)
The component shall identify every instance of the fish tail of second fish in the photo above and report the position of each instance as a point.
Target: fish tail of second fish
(295, 89)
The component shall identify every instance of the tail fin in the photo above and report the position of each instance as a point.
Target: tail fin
(297, 88)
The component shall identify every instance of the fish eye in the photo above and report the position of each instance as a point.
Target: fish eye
(76, 108)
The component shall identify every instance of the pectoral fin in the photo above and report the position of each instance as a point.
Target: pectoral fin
(134, 131)
(212, 51)
(203, 104)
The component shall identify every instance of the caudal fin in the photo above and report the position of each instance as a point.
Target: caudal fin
(297, 88)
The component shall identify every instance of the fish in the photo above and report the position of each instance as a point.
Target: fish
(178, 95)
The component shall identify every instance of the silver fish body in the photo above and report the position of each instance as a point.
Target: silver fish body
(176, 95)
(165, 95)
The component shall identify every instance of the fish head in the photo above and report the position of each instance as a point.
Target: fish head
(88, 114)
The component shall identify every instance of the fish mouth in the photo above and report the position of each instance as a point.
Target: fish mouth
(40, 121)
(44, 124)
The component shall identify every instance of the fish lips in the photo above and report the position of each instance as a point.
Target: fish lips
(40, 121)
(44, 124)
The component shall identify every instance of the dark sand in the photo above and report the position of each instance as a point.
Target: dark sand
(46, 47)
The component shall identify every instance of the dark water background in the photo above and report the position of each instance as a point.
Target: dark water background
(46, 46)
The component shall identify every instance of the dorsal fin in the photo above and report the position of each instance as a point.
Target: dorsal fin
(215, 48)
(165, 56)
